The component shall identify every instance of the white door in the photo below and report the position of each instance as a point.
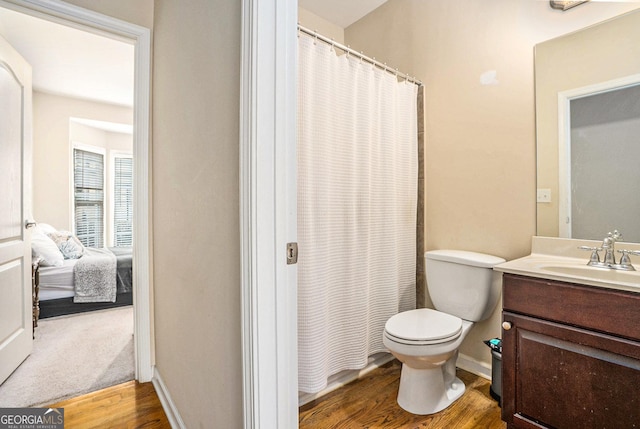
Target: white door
(15, 207)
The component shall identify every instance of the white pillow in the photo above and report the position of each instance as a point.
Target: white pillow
(44, 248)
(45, 228)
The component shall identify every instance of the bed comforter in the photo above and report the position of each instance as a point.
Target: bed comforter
(95, 276)
(124, 268)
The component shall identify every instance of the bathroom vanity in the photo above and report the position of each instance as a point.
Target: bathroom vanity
(571, 342)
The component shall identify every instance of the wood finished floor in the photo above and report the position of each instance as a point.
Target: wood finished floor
(127, 405)
(371, 403)
(366, 403)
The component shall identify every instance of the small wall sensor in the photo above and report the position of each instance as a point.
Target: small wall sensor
(489, 78)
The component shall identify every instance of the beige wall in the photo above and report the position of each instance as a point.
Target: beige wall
(480, 138)
(109, 140)
(313, 22)
(52, 150)
(138, 12)
(196, 91)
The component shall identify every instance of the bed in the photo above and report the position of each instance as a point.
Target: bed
(75, 279)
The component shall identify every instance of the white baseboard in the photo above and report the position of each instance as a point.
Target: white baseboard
(169, 407)
(474, 366)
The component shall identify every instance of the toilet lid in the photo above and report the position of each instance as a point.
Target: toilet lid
(424, 324)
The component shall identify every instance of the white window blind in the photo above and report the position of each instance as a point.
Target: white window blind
(123, 202)
(88, 174)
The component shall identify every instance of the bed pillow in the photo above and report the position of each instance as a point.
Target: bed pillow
(45, 228)
(45, 249)
(68, 244)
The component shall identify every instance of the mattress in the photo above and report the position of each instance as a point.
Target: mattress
(57, 282)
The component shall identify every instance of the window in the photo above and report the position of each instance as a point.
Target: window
(88, 191)
(122, 201)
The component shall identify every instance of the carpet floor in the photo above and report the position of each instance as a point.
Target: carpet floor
(73, 355)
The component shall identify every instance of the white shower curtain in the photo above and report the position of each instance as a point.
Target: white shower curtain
(357, 197)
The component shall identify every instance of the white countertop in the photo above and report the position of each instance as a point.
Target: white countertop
(560, 259)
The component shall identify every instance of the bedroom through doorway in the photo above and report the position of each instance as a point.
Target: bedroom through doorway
(83, 205)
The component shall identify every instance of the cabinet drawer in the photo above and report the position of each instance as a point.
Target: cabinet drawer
(605, 310)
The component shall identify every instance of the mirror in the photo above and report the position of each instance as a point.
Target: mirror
(581, 79)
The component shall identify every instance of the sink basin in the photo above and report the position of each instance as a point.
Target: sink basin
(585, 271)
(561, 259)
(572, 270)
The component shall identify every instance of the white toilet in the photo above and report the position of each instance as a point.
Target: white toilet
(464, 289)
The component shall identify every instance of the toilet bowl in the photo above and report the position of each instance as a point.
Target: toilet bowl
(426, 341)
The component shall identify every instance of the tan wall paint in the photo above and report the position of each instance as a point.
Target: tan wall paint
(480, 139)
(313, 22)
(109, 140)
(196, 88)
(138, 12)
(52, 151)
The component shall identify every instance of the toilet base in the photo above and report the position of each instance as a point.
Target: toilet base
(427, 391)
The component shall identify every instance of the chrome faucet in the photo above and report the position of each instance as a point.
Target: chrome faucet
(608, 245)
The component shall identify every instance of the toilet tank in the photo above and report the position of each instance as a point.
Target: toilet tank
(463, 283)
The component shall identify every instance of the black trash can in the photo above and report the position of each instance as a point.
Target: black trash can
(495, 390)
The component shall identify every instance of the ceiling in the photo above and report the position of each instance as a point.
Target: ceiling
(71, 62)
(340, 12)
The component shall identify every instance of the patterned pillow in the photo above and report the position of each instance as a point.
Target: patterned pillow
(68, 244)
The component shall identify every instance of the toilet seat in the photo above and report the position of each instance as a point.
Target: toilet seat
(423, 326)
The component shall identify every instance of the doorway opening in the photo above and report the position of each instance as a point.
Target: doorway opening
(137, 40)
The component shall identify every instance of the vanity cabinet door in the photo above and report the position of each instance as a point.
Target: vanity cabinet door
(560, 376)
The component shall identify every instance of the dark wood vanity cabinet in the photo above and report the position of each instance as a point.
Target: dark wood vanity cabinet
(570, 355)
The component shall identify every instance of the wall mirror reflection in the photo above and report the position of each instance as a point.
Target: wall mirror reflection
(588, 131)
(599, 175)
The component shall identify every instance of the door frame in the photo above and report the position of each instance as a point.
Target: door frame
(140, 38)
(565, 216)
(268, 215)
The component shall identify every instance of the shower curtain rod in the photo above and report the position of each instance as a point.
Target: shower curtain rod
(359, 55)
